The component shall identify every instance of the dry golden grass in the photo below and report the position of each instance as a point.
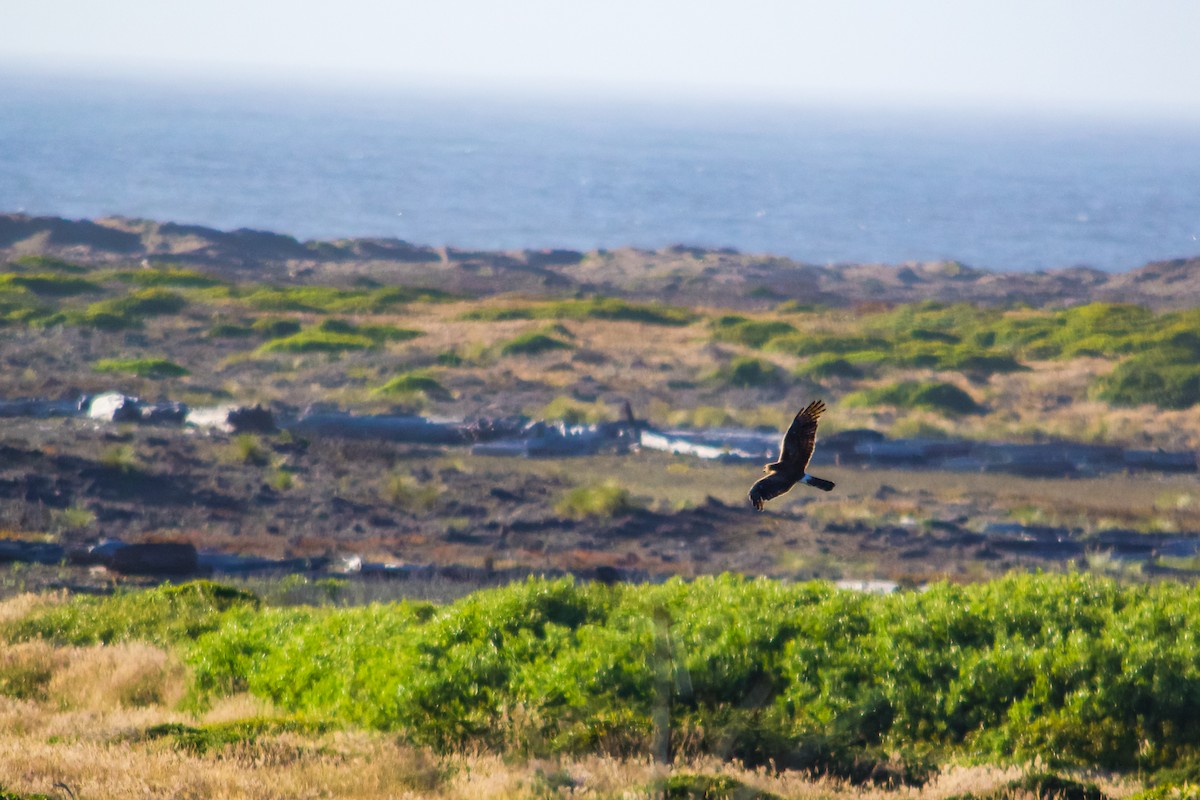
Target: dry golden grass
(356, 765)
(83, 733)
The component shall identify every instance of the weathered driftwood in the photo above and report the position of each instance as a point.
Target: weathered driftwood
(162, 558)
(396, 428)
(16, 550)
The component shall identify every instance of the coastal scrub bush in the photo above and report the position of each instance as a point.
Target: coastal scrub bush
(943, 398)
(404, 491)
(606, 499)
(408, 384)
(141, 367)
(49, 284)
(168, 276)
(747, 373)
(607, 308)
(162, 616)
(804, 344)
(44, 263)
(1168, 378)
(246, 448)
(148, 302)
(750, 333)
(332, 300)
(826, 367)
(376, 333)
(276, 327)
(532, 344)
(318, 341)
(1072, 669)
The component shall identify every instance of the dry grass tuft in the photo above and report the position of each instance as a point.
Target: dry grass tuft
(22, 605)
(129, 675)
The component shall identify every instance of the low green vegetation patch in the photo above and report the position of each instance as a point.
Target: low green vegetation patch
(943, 398)
(318, 341)
(141, 367)
(166, 615)
(43, 263)
(827, 367)
(230, 330)
(332, 300)
(376, 333)
(49, 284)
(751, 333)
(276, 327)
(744, 372)
(125, 313)
(533, 343)
(216, 737)
(169, 276)
(609, 308)
(1167, 377)
(692, 786)
(607, 499)
(418, 382)
(1041, 786)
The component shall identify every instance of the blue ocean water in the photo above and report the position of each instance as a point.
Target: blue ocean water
(821, 186)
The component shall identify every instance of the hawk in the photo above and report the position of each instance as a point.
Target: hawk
(794, 452)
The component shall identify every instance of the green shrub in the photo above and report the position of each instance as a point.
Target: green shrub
(43, 263)
(414, 383)
(980, 363)
(376, 333)
(246, 448)
(944, 398)
(163, 616)
(532, 344)
(149, 302)
(744, 372)
(49, 284)
(316, 341)
(689, 786)
(217, 736)
(825, 367)
(406, 492)
(169, 276)
(750, 333)
(821, 344)
(141, 367)
(331, 300)
(101, 317)
(230, 330)
(1071, 669)
(1167, 379)
(276, 327)
(125, 313)
(608, 308)
(606, 499)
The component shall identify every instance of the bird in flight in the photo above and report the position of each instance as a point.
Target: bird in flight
(794, 452)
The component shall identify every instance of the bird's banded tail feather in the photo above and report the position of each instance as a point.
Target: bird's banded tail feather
(819, 483)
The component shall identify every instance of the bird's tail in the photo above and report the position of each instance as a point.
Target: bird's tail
(819, 483)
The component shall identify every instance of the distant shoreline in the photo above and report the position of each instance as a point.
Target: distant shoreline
(675, 275)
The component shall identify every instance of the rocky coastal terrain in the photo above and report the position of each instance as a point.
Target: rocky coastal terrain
(680, 275)
(969, 436)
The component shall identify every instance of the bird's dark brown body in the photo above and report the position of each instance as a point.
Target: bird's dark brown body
(794, 453)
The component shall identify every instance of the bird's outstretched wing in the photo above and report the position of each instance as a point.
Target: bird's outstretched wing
(770, 486)
(797, 446)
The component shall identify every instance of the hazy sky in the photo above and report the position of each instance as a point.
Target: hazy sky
(1115, 57)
